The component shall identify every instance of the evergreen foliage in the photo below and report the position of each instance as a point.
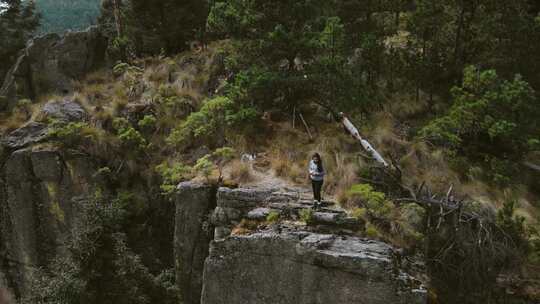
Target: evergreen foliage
(18, 21)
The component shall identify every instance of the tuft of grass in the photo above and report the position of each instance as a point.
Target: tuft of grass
(240, 172)
(273, 217)
(306, 215)
(245, 227)
(371, 231)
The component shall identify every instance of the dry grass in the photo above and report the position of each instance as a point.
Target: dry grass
(240, 172)
(245, 227)
(11, 122)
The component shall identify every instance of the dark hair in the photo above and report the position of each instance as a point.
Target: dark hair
(320, 167)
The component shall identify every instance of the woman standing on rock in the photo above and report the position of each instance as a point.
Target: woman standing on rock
(316, 174)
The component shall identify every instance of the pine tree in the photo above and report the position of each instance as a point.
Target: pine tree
(17, 23)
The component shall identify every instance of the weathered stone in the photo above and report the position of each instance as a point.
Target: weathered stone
(328, 218)
(65, 110)
(192, 236)
(242, 198)
(36, 207)
(47, 165)
(50, 63)
(31, 133)
(258, 214)
(300, 267)
(223, 215)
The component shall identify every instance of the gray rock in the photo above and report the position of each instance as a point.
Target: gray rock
(304, 268)
(31, 133)
(328, 218)
(192, 236)
(224, 216)
(242, 197)
(50, 63)
(258, 214)
(65, 110)
(36, 211)
(47, 165)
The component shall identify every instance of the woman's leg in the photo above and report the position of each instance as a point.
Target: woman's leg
(314, 186)
(320, 190)
(317, 190)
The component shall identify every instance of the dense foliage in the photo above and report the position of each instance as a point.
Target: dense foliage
(138, 27)
(18, 21)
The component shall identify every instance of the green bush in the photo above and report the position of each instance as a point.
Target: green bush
(72, 134)
(130, 138)
(212, 123)
(306, 215)
(171, 175)
(204, 167)
(375, 202)
(273, 217)
(148, 122)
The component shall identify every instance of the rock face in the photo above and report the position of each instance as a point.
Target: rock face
(65, 110)
(192, 236)
(284, 262)
(34, 132)
(50, 63)
(305, 268)
(31, 133)
(37, 188)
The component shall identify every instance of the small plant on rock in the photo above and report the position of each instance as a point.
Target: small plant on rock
(205, 167)
(306, 216)
(131, 139)
(172, 174)
(273, 217)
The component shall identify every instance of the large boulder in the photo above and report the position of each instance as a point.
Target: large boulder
(50, 63)
(65, 110)
(282, 267)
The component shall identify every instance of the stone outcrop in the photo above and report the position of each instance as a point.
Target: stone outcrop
(34, 132)
(282, 267)
(38, 187)
(31, 133)
(282, 262)
(50, 63)
(192, 236)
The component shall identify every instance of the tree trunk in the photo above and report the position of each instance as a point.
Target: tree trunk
(118, 18)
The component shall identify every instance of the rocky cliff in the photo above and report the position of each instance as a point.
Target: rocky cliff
(39, 191)
(286, 261)
(50, 63)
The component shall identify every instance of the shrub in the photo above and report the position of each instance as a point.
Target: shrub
(148, 122)
(204, 167)
(72, 134)
(120, 68)
(306, 215)
(171, 175)
(221, 157)
(211, 123)
(372, 231)
(131, 139)
(273, 217)
(375, 202)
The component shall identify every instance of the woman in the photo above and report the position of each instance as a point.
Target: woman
(316, 174)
